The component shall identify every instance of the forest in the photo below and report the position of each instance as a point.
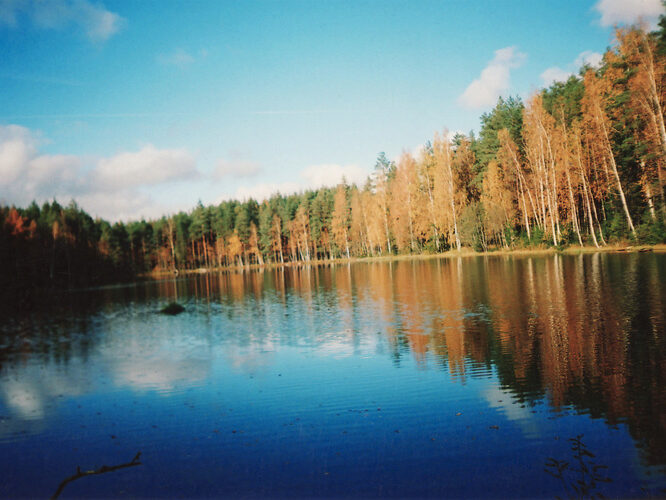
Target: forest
(578, 163)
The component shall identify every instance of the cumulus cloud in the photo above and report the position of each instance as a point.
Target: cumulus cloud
(26, 175)
(124, 205)
(60, 172)
(17, 147)
(94, 20)
(557, 74)
(628, 11)
(494, 81)
(107, 187)
(146, 167)
(119, 187)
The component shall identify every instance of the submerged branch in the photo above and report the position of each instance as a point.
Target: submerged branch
(102, 470)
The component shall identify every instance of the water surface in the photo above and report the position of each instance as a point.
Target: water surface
(456, 377)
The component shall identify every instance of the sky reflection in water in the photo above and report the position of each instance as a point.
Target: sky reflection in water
(457, 377)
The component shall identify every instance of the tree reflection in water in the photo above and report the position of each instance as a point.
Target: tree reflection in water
(579, 333)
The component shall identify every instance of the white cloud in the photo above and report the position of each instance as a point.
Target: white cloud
(554, 74)
(332, 174)
(55, 175)
(557, 74)
(179, 57)
(119, 187)
(264, 191)
(311, 177)
(628, 11)
(124, 205)
(106, 187)
(94, 20)
(235, 167)
(590, 58)
(26, 175)
(146, 167)
(17, 146)
(99, 23)
(494, 81)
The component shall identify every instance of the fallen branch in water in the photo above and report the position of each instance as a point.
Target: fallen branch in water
(102, 470)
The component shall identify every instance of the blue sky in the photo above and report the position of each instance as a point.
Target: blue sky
(143, 108)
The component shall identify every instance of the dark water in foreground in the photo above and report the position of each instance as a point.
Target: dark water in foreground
(458, 378)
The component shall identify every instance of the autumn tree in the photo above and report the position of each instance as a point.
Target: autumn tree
(446, 191)
(539, 136)
(235, 248)
(595, 102)
(498, 198)
(341, 219)
(646, 72)
(382, 176)
(402, 206)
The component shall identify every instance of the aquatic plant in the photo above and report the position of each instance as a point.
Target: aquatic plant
(580, 478)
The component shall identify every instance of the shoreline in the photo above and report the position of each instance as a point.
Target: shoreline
(465, 252)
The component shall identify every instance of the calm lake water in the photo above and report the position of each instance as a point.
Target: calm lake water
(455, 377)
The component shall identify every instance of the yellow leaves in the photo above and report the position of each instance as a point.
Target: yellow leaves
(276, 233)
(254, 239)
(497, 199)
(219, 247)
(234, 245)
(401, 203)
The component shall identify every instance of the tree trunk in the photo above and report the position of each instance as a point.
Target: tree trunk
(527, 220)
(452, 195)
(347, 244)
(585, 192)
(386, 228)
(205, 248)
(573, 209)
(596, 218)
(611, 157)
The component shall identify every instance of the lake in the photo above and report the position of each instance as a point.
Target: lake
(497, 376)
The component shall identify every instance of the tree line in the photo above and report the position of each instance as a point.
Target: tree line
(579, 163)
